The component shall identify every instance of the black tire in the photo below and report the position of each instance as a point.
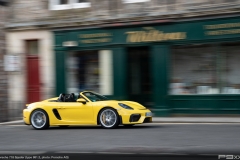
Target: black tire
(39, 119)
(108, 118)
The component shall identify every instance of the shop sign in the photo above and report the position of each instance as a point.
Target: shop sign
(222, 29)
(150, 34)
(11, 62)
(195, 30)
(95, 38)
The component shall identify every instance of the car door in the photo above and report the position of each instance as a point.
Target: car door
(76, 112)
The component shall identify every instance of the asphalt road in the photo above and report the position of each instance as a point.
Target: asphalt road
(144, 139)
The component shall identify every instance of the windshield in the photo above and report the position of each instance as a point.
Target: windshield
(95, 97)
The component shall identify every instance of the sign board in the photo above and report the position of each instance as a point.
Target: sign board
(11, 62)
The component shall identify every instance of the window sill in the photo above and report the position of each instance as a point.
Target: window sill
(81, 5)
(135, 1)
(70, 6)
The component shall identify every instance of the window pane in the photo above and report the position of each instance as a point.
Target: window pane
(63, 1)
(194, 70)
(230, 72)
(82, 1)
(32, 47)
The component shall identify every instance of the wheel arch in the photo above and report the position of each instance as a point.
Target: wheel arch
(39, 109)
(105, 108)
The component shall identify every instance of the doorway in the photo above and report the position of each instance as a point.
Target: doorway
(139, 75)
(32, 70)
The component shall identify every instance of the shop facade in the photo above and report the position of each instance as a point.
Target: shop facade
(189, 67)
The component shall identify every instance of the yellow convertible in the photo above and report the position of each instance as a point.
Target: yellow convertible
(88, 108)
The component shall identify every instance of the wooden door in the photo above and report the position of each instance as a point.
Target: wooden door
(32, 69)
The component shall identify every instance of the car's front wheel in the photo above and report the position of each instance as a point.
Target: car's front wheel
(108, 118)
(39, 119)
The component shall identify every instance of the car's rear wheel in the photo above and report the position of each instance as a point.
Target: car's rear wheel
(108, 118)
(39, 119)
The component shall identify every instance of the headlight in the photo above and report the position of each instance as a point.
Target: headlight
(149, 114)
(125, 106)
(29, 106)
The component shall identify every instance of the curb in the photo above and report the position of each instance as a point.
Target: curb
(17, 122)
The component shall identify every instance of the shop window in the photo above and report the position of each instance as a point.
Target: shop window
(68, 4)
(205, 69)
(230, 73)
(83, 71)
(89, 70)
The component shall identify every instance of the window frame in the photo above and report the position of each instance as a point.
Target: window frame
(72, 4)
(134, 1)
(219, 46)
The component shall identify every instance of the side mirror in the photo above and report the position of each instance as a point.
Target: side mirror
(82, 100)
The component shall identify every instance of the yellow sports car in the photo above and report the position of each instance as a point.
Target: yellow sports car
(88, 108)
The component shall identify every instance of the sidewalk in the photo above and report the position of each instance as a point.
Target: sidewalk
(170, 120)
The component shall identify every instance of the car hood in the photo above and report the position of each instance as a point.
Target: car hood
(131, 104)
(134, 105)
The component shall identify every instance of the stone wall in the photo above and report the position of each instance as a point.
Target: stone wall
(37, 13)
(3, 74)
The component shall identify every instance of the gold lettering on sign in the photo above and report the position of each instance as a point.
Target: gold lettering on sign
(95, 35)
(95, 38)
(220, 26)
(153, 35)
(222, 32)
(101, 40)
(226, 26)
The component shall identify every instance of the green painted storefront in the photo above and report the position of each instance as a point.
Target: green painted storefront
(159, 38)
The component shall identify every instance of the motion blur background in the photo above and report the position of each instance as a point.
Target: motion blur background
(177, 57)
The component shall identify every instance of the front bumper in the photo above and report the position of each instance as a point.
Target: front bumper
(135, 117)
(26, 116)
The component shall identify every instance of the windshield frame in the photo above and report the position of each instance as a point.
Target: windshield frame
(98, 96)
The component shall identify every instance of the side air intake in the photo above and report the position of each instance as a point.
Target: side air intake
(57, 115)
